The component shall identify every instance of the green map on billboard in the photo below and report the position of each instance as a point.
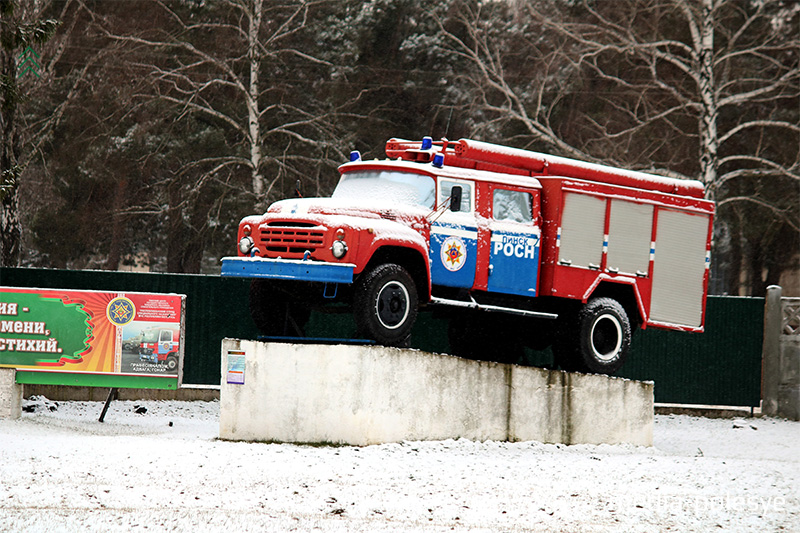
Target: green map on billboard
(37, 330)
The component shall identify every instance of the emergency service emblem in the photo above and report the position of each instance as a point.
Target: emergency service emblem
(120, 311)
(454, 253)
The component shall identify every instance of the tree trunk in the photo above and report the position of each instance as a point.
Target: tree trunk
(184, 240)
(756, 271)
(175, 233)
(195, 238)
(735, 257)
(709, 137)
(10, 226)
(117, 227)
(253, 110)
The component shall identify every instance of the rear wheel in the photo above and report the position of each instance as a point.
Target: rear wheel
(385, 304)
(595, 339)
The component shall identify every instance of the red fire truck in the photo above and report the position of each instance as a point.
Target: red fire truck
(513, 247)
(160, 345)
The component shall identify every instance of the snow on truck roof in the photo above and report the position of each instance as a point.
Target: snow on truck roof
(478, 155)
(453, 171)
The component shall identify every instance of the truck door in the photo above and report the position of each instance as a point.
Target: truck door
(514, 242)
(454, 237)
(164, 343)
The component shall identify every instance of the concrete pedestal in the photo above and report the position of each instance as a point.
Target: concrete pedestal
(10, 394)
(362, 395)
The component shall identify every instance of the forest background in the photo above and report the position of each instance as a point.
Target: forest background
(139, 132)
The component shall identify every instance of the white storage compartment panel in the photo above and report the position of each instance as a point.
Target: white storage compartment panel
(629, 235)
(582, 227)
(679, 269)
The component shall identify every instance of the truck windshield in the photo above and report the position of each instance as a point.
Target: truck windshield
(150, 336)
(391, 186)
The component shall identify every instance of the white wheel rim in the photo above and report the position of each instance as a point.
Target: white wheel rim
(603, 348)
(392, 293)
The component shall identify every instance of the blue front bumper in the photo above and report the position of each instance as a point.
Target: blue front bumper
(257, 267)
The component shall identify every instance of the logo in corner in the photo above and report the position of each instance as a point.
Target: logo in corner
(120, 311)
(454, 253)
(26, 62)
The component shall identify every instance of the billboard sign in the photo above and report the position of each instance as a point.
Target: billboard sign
(92, 338)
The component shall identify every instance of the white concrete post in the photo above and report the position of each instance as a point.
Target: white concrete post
(10, 394)
(789, 386)
(771, 351)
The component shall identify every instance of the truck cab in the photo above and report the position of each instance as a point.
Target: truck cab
(161, 346)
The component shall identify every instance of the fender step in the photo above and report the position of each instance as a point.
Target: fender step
(491, 308)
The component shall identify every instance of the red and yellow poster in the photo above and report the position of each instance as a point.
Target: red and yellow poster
(96, 338)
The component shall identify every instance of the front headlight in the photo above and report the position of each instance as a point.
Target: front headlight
(338, 248)
(245, 245)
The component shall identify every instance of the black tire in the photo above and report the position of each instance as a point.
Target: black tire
(385, 304)
(172, 363)
(275, 312)
(596, 339)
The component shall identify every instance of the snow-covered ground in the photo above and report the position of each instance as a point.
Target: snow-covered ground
(164, 469)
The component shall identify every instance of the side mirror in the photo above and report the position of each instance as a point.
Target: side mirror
(455, 198)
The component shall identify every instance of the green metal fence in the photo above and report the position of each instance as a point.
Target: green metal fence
(719, 367)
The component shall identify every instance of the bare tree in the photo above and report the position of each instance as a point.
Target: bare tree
(227, 100)
(510, 74)
(731, 64)
(214, 77)
(732, 67)
(21, 27)
(706, 89)
(159, 122)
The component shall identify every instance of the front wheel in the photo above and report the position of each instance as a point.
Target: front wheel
(385, 304)
(596, 339)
